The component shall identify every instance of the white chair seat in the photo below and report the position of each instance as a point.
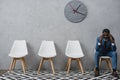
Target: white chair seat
(74, 55)
(47, 55)
(104, 57)
(17, 56)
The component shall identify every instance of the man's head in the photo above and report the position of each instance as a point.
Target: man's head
(106, 33)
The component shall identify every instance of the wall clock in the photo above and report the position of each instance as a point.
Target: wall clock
(75, 11)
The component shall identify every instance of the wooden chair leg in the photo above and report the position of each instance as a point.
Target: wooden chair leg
(14, 62)
(80, 65)
(23, 66)
(109, 64)
(40, 65)
(52, 66)
(69, 63)
(107, 67)
(100, 61)
(11, 65)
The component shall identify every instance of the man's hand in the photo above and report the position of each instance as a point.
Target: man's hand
(101, 37)
(111, 38)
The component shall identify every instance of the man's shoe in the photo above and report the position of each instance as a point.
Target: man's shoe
(96, 71)
(114, 73)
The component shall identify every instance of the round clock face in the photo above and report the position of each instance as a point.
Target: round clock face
(75, 11)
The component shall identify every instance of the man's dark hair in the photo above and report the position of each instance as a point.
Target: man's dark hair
(106, 30)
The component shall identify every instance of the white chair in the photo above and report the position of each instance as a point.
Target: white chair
(47, 51)
(108, 61)
(18, 52)
(74, 52)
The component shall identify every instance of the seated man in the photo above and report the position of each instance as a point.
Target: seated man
(105, 46)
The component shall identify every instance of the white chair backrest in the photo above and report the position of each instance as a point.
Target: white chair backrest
(19, 49)
(47, 49)
(74, 47)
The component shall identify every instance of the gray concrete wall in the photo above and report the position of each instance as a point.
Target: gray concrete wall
(37, 20)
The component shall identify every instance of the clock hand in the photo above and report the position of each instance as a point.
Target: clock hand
(78, 7)
(80, 13)
(75, 11)
(72, 9)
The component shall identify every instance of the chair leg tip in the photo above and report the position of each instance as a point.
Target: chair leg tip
(67, 72)
(9, 71)
(83, 72)
(24, 72)
(37, 73)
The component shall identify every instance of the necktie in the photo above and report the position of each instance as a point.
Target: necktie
(105, 44)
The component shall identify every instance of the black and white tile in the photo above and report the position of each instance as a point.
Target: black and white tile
(44, 75)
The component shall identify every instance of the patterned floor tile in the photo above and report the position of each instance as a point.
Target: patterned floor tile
(73, 75)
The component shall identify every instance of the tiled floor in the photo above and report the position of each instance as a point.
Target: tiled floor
(2, 72)
(44, 75)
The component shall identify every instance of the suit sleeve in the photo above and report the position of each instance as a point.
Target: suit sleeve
(98, 44)
(113, 47)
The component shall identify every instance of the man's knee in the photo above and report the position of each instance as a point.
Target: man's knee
(114, 53)
(97, 53)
